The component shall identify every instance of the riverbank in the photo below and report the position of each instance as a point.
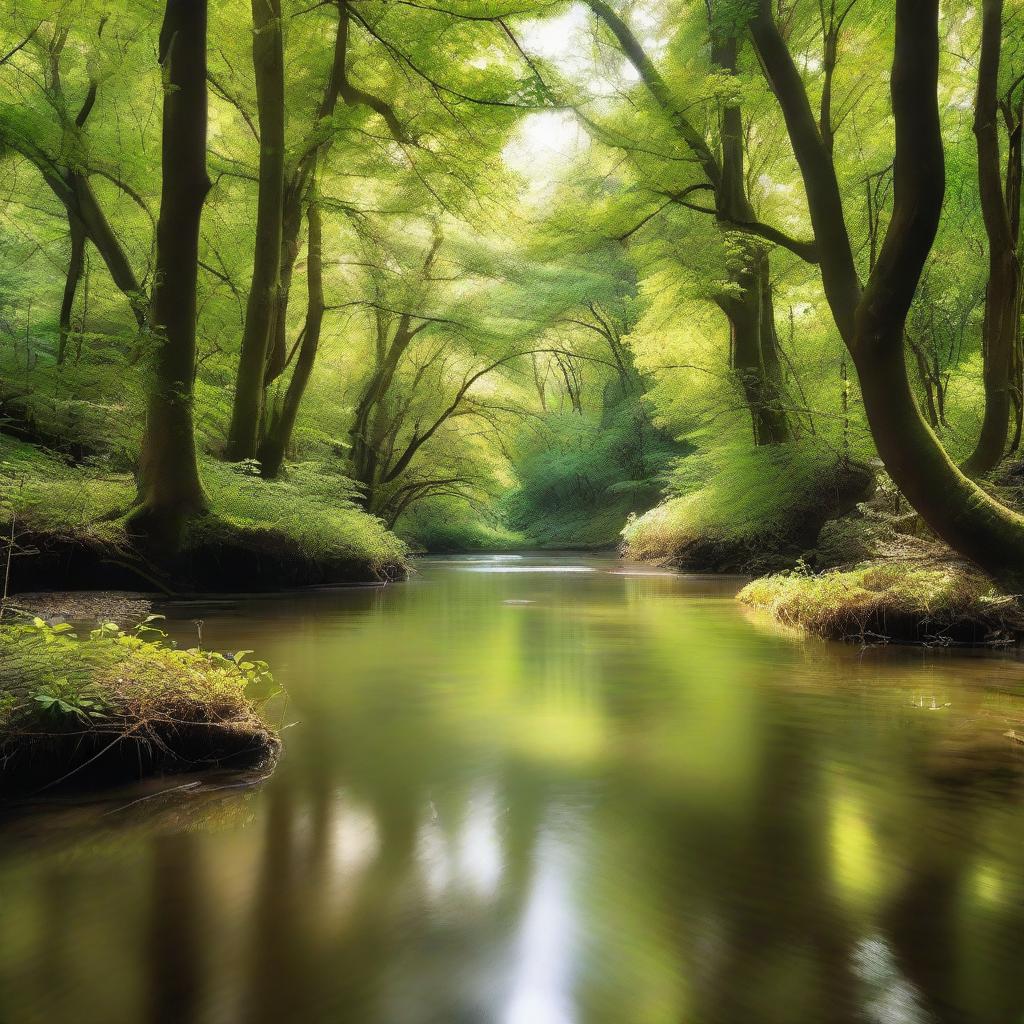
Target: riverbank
(866, 572)
(116, 706)
(750, 524)
(893, 601)
(69, 528)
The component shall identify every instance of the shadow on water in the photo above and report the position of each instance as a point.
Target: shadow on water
(552, 790)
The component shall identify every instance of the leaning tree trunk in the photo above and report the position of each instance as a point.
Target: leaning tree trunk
(282, 423)
(73, 189)
(170, 492)
(108, 245)
(1001, 331)
(872, 323)
(268, 62)
(297, 193)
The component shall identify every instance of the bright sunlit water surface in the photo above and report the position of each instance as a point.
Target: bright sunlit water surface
(553, 790)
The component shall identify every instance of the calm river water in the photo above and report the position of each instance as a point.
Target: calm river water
(552, 790)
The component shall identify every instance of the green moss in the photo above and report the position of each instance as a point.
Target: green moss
(310, 517)
(126, 699)
(891, 600)
(747, 510)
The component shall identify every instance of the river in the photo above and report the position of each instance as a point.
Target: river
(547, 790)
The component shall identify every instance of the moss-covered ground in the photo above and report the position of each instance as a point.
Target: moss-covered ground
(68, 520)
(118, 704)
(929, 602)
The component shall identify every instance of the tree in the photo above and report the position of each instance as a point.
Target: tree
(170, 492)
(54, 138)
(1000, 204)
(872, 320)
(282, 418)
(746, 300)
(268, 62)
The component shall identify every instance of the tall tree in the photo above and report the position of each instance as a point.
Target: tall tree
(170, 492)
(281, 421)
(268, 63)
(1000, 205)
(872, 320)
(747, 299)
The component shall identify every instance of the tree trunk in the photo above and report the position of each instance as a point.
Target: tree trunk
(279, 433)
(1001, 331)
(753, 356)
(367, 420)
(76, 265)
(169, 489)
(873, 323)
(295, 191)
(75, 192)
(755, 342)
(268, 62)
(108, 245)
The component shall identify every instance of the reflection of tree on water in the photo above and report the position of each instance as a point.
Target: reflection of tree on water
(781, 942)
(961, 972)
(368, 906)
(598, 813)
(175, 932)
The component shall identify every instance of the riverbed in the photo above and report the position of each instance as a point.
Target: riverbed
(547, 790)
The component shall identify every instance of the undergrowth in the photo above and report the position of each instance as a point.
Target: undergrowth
(735, 504)
(891, 600)
(312, 509)
(65, 697)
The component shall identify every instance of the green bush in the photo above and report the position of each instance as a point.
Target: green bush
(747, 501)
(115, 676)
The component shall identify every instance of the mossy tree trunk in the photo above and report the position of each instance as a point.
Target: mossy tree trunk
(260, 314)
(170, 492)
(872, 322)
(1000, 206)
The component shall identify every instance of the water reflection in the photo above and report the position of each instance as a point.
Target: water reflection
(550, 798)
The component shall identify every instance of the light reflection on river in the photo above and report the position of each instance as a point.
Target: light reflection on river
(549, 791)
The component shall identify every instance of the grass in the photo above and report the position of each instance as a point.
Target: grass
(308, 519)
(126, 703)
(748, 510)
(897, 600)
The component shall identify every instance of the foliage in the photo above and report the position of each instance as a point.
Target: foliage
(53, 679)
(583, 475)
(527, 280)
(925, 602)
(746, 502)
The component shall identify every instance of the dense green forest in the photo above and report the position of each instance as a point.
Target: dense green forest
(298, 287)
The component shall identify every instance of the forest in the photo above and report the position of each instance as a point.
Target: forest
(291, 290)
(511, 511)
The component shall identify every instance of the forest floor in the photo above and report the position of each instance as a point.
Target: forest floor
(845, 559)
(117, 705)
(67, 521)
(877, 575)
